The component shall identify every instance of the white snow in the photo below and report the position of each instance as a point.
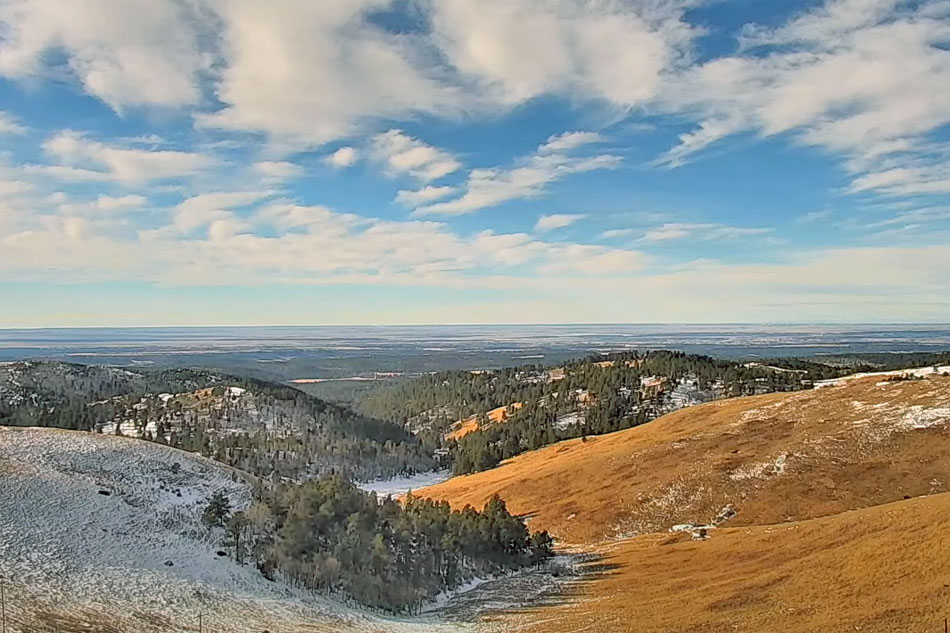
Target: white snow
(760, 470)
(441, 600)
(397, 486)
(918, 417)
(89, 521)
(569, 420)
(916, 372)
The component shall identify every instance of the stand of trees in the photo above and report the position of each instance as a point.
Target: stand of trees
(329, 536)
(533, 426)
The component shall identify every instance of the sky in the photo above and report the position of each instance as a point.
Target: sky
(217, 162)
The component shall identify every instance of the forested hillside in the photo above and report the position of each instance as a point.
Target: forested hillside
(592, 396)
(266, 429)
(327, 535)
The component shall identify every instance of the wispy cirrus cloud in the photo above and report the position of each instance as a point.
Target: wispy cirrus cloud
(554, 221)
(529, 178)
(698, 231)
(863, 79)
(81, 158)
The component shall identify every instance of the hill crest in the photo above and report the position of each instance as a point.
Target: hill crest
(774, 458)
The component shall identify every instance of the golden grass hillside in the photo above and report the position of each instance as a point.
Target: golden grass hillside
(775, 458)
(884, 569)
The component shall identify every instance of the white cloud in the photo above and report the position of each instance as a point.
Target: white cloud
(124, 53)
(556, 221)
(86, 159)
(520, 49)
(594, 260)
(403, 154)
(206, 208)
(9, 125)
(311, 72)
(706, 232)
(422, 196)
(66, 173)
(343, 157)
(287, 216)
(615, 233)
(104, 205)
(488, 187)
(287, 243)
(283, 242)
(278, 170)
(868, 80)
(306, 73)
(10, 188)
(905, 181)
(567, 141)
(917, 218)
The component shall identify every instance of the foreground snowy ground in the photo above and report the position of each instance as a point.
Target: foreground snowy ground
(102, 533)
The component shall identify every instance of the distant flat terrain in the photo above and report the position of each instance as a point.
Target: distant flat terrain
(288, 353)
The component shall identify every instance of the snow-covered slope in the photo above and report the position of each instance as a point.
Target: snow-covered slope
(913, 372)
(103, 533)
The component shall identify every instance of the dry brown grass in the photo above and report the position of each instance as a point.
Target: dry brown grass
(830, 534)
(463, 427)
(883, 570)
(843, 448)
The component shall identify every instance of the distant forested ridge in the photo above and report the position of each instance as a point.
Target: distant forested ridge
(268, 430)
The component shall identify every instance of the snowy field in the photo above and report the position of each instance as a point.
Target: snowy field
(102, 533)
(917, 372)
(401, 485)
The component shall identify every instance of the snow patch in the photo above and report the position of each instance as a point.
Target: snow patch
(397, 486)
(760, 470)
(918, 417)
(915, 372)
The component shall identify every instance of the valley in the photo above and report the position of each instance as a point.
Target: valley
(677, 501)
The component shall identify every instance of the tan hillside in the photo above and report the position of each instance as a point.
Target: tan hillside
(884, 569)
(463, 427)
(775, 458)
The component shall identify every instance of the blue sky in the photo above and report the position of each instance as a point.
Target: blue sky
(291, 162)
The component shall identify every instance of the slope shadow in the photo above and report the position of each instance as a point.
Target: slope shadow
(557, 583)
